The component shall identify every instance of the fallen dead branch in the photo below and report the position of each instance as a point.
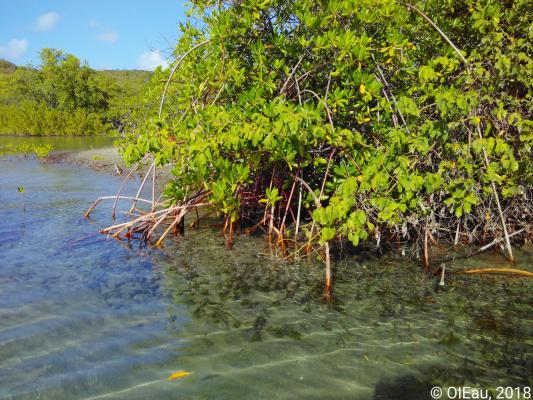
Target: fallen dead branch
(485, 247)
(505, 271)
(93, 206)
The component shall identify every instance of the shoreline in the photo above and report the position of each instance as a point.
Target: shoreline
(105, 159)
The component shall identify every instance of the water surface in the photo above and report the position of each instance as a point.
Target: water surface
(58, 142)
(83, 317)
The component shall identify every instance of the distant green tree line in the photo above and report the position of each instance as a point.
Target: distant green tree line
(64, 96)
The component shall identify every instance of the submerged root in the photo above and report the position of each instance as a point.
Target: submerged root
(504, 271)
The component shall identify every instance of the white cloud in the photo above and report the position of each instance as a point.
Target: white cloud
(106, 34)
(109, 37)
(46, 22)
(151, 60)
(15, 49)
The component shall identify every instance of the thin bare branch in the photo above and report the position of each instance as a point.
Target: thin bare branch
(174, 71)
(440, 32)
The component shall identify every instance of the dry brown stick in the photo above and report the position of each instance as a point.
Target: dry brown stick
(394, 117)
(306, 185)
(132, 228)
(456, 241)
(328, 111)
(254, 228)
(282, 225)
(121, 227)
(327, 286)
(496, 241)
(153, 187)
(327, 86)
(131, 223)
(174, 71)
(290, 75)
(482, 249)
(440, 32)
(164, 216)
(176, 220)
(157, 223)
(298, 91)
(298, 213)
(229, 243)
(386, 84)
(299, 248)
(92, 207)
(122, 186)
(512, 271)
(432, 239)
(142, 185)
(426, 248)
(271, 221)
(497, 198)
(225, 225)
(147, 216)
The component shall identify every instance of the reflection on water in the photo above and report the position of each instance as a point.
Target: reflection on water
(84, 317)
(57, 142)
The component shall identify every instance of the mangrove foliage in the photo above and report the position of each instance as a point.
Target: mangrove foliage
(375, 123)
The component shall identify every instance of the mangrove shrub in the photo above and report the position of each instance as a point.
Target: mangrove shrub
(350, 120)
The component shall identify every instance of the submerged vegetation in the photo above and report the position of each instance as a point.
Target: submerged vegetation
(366, 122)
(66, 97)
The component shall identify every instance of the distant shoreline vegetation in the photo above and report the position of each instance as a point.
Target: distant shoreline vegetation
(65, 97)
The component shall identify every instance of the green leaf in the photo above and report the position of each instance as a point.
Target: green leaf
(327, 234)
(426, 74)
(408, 106)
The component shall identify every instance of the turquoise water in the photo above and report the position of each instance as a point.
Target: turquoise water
(84, 317)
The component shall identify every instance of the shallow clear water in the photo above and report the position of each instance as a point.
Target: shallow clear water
(82, 317)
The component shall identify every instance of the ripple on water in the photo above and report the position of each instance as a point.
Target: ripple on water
(83, 317)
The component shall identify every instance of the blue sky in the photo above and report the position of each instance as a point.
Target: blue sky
(112, 34)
